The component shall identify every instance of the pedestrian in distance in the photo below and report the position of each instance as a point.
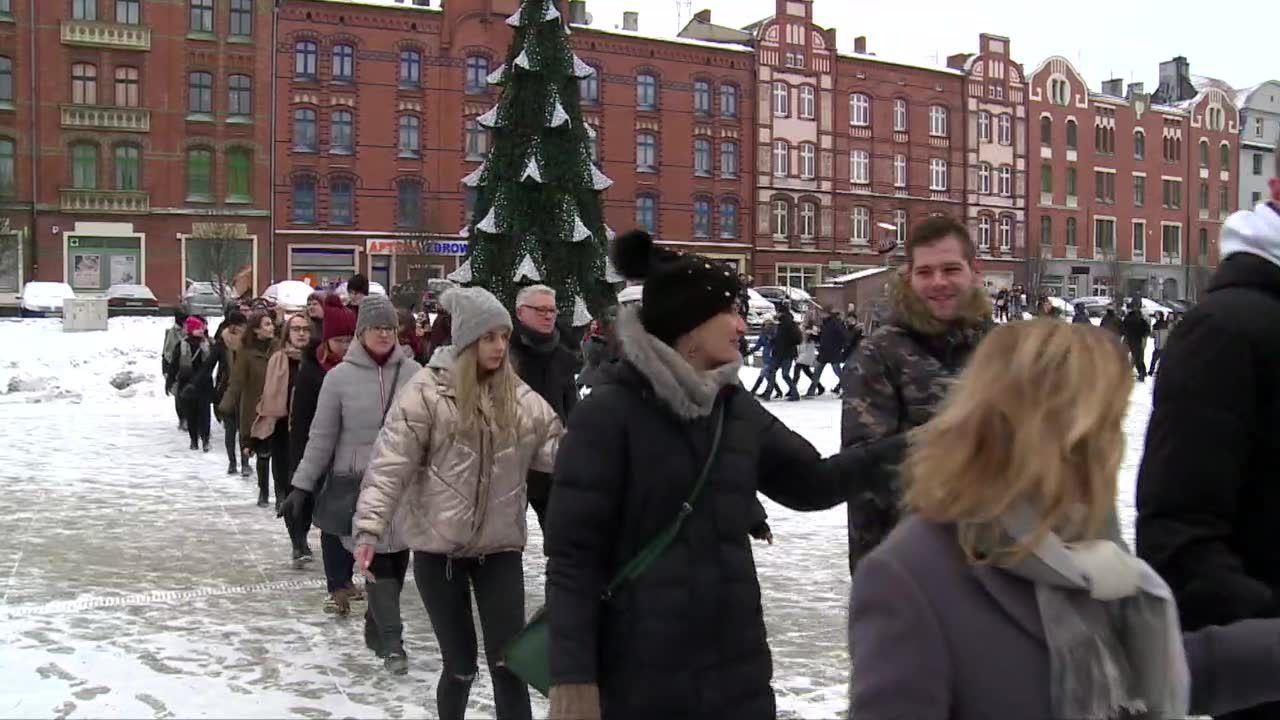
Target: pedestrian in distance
(1081, 316)
(354, 401)
(449, 471)
(322, 355)
(439, 335)
(409, 338)
(226, 344)
(1011, 491)
(1112, 324)
(315, 312)
(764, 345)
(1135, 332)
(190, 382)
(173, 335)
(1159, 339)
(671, 433)
(832, 338)
(806, 358)
(786, 349)
(357, 290)
(248, 376)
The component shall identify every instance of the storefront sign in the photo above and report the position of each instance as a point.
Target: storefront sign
(394, 246)
(86, 271)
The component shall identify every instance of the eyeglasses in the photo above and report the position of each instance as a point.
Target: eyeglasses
(384, 330)
(544, 311)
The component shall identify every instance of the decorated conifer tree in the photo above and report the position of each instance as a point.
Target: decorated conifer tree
(537, 216)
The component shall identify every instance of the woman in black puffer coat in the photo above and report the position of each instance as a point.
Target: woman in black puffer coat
(686, 639)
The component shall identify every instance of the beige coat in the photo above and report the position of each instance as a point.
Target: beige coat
(465, 494)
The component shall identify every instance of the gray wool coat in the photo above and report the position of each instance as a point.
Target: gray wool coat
(935, 638)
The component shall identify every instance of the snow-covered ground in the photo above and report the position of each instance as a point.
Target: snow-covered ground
(138, 580)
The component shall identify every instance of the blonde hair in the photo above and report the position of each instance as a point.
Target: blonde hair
(1036, 418)
(490, 400)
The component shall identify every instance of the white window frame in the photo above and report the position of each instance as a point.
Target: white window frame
(1139, 247)
(984, 126)
(1005, 234)
(938, 175)
(808, 217)
(780, 213)
(900, 171)
(861, 225)
(938, 120)
(786, 275)
(1098, 222)
(860, 110)
(1005, 125)
(703, 164)
(860, 167)
(984, 234)
(984, 178)
(808, 103)
(900, 225)
(781, 158)
(781, 99)
(900, 119)
(808, 161)
(1005, 182)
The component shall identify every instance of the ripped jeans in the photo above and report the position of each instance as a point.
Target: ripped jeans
(445, 585)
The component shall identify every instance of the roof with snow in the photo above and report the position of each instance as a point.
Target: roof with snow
(666, 39)
(938, 68)
(396, 4)
(859, 275)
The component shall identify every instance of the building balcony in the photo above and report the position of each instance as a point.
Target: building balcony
(106, 35)
(106, 201)
(95, 117)
(1170, 259)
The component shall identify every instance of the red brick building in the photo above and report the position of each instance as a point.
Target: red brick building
(151, 124)
(1130, 189)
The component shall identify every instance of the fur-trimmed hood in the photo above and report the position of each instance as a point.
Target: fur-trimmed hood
(689, 393)
(911, 312)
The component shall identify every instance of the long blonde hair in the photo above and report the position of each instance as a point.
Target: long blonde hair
(1036, 418)
(484, 401)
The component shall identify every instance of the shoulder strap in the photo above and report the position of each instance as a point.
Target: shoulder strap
(654, 549)
(391, 396)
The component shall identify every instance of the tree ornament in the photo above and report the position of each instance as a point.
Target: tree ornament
(490, 223)
(581, 316)
(465, 231)
(532, 171)
(599, 181)
(558, 115)
(591, 132)
(580, 232)
(492, 118)
(462, 275)
(527, 270)
(473, 178)
(581, 70)
(522, 60)
(611, 273)
(499, 76)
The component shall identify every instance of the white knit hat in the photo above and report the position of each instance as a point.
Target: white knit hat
(473, 312)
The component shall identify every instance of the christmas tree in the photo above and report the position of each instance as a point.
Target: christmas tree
(538, 217)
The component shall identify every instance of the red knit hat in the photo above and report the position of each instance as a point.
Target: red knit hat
(338, 320)
(193, 324)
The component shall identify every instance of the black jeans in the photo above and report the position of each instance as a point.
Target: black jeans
(1155, 360)
(445, 586)
(384, 630)
(807, 371)
(1138, 352)
(338, 562)
(282, 475)
(784, 366)
(231, 428)
(262, 452)
(198, 415)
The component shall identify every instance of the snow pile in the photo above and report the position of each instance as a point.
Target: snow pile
(41, 363)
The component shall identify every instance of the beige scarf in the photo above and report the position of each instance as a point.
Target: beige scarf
(274, 403)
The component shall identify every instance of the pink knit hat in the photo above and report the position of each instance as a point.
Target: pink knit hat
(193, 324)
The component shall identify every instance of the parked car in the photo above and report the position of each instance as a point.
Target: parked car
(289, 294)
(202, 298)
(801, 303)
(44, 299)
(758, 310)
(1180, 306)
(1096, 305)
(131, 300)
(1065, 309)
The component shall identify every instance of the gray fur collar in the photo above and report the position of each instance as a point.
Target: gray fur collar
(689, 393)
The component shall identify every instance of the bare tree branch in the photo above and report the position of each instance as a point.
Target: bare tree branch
(216, 244)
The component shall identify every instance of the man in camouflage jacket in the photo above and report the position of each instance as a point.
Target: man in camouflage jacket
(898, 377)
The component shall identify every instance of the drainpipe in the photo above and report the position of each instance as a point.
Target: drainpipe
(271, 186)
(35, 143)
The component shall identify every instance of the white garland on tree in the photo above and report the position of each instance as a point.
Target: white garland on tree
(491, 119)
(581, 316)
(581, 70)
(551, 13)
(490, 223)
(499, 76)
(522, 60)
(611, 274)
(600, 181)
(558, 115)
(532, 171)
(462, 275)
(580, 231)
(465, 231)
(473, 178)
(528, 269)
(591, 132)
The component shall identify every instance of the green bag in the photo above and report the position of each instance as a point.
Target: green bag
(529, 654)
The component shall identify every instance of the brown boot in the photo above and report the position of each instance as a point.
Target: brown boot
(338, 603)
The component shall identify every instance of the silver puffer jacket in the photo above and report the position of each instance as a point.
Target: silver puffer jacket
(464, 493)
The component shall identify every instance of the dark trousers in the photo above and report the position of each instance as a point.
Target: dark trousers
(1155, 360)
(199, 417)
(539, 485)
(338, 562)
(231, 428)
(1138, 352)
(783, 366)
(445, 586)
(282, 474)
(822, 367)
(179, 408)
(807, 371)
(384, 630)
(262, 451)
(762, 379)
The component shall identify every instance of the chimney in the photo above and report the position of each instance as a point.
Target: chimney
(1175, 80)
(860, 45)
(1135, 90)
(631, 21)
(703, 16)
(957, 61)
(578, 12)
(1113, 87)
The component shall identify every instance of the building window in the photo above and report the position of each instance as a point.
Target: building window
(1058, 91)
(1171, 241)
(729, 101)
(808, 219)
(1071, 232)
(1005, 185)
(646, 152)
(304, 130)
(84, 9)
(8, 169)
(1073, 141)
(1046, 231)
(1139, 240)
(127, 87)
(797, 276)
(861, 232)
(200, 175)
(1104, 138)
(344, 63)
(200, 93)
(1171, 196)
(477, 140)
(1224, 202)
(984, 126)
(984, 234)
(702, 97)
(646, 91)
(342, 132)
(202, 16)
(808, 161)
(1139, 190)
(1139, 145)
(781, 99)
(1255, 198)
(1204, 245)
(702, 218)
(6, 80)
(410, 68)
(781, 218)
(1204, 196)
(241, 18)
(1046, 131)
(900, 115)
(589, 88)
(1204, 153)
(781, 158)
(702, 157)
(1005, 236)
(84, 166)
(1224, 153)
(860, 167)
(239, 175)
(900, 171)
(938, 175)
(728, 219)
(808, 103)
(984, 178)
(1006, 129)
(408, 203)
(1172, 149)
(647, 213)
(240, 91)
(937, 121)
(1104, 187)
(1046, 178)
(410, 136)
(128, 164)
(341, 202)
(304, 200)
(477, 75)
(305, 57)
(900, 225)
(728, 159)
(128, 12)
(84, 84)
(1071, 183)
(1104, 237)
(859, 110)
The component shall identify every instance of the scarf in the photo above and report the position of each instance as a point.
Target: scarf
(327, 360)
(1115, 643)
(539, 343)
(274, 402)
(409, 338)
(689, 393)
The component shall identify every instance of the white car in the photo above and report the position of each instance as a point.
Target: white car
(759, 310)
(290, 294)
(44, 299)
(131, 300)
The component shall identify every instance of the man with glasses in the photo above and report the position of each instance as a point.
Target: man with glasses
(547, 366)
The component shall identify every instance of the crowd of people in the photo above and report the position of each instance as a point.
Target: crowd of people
(978, 466)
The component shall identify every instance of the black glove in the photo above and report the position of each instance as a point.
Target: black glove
(295, 504)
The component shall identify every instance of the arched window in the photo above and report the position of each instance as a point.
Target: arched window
(341, 201)
(127, 87)
(808, 161)
(728, 159)
(342, 132)
(781, 99)
(410, 136)
(781, 218)
(410, 68)
(306, 55)
(1139, 145)
(1046, 131)
(781, 158)
(1224, 151)
(304, 130)
(1071, 232)
(808, 103)
(702, 158)
(900, 115)
(859, 110)
(200, 175)
(477, 75)
(1204, 153)
(937, 120)
(729, 101)
(984, 234)
(304, 199)
(1046, 230)
(702, 103)
(409, 203)
(84, 84)
(240, 95)
(128, 165)
(646, 152)
(589, 88)
(808, 219)
(702, 217)
(646, 91)
(647, 213)
(1072, 135)
(728, 218)
(344, 63)
(239, 175)
(200, 93)
(84, 166)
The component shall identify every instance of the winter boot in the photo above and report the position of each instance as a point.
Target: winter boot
(396, 662)
(232, 469)
(245, 469)
(195, 445)
(301, 557)
(262, 499)
(338, 602)
(204, 444)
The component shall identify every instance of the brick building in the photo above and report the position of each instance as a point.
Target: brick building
(1132, 188)
(151, 125)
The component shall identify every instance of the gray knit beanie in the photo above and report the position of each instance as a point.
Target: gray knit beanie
(473, 311)
(376, 311)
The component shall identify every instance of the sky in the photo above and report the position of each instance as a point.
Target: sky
(1125, 39)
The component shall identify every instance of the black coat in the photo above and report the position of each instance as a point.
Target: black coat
(1135, 328)
(195, 382)
(551, 371)
(687, 638)
(302, 409)
(787, 344)
(832, 340)
(1209, 488)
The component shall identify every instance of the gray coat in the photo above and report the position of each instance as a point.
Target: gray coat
(933, 637)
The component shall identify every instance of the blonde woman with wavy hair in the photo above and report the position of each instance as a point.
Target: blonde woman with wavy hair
(1007, 592)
